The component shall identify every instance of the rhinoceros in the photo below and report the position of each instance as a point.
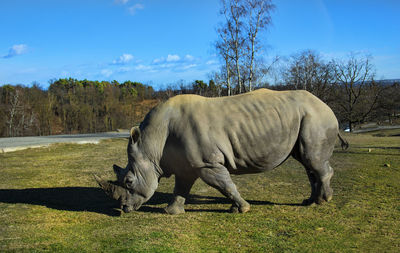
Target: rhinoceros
(192, 137)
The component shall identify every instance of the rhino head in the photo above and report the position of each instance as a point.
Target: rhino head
(137, 182)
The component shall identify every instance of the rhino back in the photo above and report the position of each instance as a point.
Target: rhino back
(246, 133)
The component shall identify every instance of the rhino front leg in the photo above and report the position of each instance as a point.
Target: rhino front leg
(181, 191)
(315, 187)
(219, 178)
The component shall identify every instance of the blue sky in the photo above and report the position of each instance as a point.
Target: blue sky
(159, 42)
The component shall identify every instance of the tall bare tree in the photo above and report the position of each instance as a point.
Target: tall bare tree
(234, 13)
(223, 48)
(258, 18)
(238, 41)
(13, 111)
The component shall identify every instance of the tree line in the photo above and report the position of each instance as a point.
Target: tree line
(72, 106)
(83, 106)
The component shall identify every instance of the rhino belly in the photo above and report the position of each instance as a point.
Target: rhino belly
(255, 163)
(261, 153)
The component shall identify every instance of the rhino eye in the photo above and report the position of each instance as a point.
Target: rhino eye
(128, 182)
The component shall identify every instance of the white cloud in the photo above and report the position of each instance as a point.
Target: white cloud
(106, 72)
(168, 65)
(19, 49)
(124, 69)
(211, 62)
(143, 67)
(158, 60)
(181, 66)
(133, 9)
(16, 50)
(189, 66)
(173, 58)
(121, 1)
(123, 59)
(189, 57)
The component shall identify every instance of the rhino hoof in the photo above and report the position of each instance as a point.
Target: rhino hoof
(328, 194)
(242, 209)
(319, 201)
(328, 198)
(234, 209)
(310, 201)
(174, 209)
(307, 202)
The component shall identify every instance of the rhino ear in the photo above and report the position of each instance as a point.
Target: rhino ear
(135, 134)
(117, 169)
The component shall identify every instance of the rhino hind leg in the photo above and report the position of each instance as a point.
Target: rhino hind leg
(219, 178)
(327, 191)
(181, 192)
(314, 149)
(320, 184)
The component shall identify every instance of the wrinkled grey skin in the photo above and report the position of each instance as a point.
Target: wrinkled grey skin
(194, 137)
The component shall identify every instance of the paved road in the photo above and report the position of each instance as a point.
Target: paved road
(371, 129)
(19, 143)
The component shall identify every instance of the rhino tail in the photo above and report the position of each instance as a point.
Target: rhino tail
(343, 142)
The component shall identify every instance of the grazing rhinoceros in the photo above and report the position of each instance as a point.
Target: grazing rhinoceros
(191, 136)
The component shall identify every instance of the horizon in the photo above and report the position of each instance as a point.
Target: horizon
(159, 43)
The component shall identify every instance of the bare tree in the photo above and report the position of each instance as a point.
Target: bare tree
(238, 40)
(218, 80)
(237, 11)
(389, 102)
(308, 71)
(14, 108)
(358, 92)
(232, 34)
(224, 50)
(258, 18)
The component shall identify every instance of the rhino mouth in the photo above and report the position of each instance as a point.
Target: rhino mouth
(127, 209)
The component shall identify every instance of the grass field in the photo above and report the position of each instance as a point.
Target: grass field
(50, 202)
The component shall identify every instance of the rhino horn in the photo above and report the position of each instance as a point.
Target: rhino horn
(111, 189)
(100, 181)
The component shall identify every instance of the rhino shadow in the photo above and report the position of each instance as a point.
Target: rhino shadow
(160, 198)
(91, 199)
(78, 199)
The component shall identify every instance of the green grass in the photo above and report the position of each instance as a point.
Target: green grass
(50, 202)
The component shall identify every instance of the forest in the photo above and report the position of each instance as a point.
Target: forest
(72, 106)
